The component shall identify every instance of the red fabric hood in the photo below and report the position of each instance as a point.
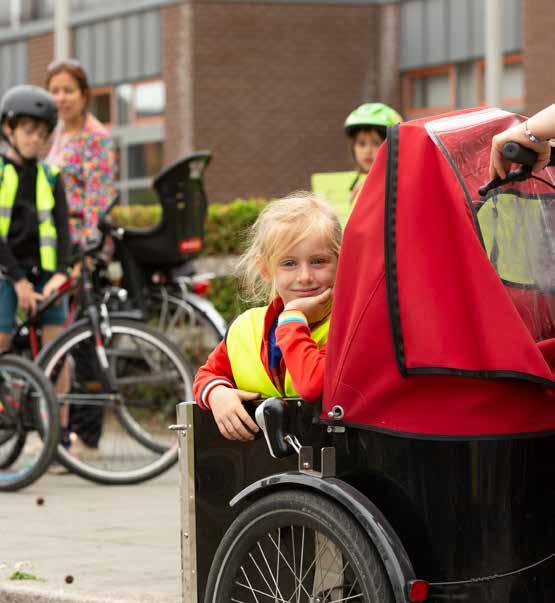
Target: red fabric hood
(425, 337)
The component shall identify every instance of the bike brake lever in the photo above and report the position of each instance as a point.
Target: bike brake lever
(521, 173)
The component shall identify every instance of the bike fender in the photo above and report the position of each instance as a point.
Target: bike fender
(129, 314)
(208, 309)
(364, 511)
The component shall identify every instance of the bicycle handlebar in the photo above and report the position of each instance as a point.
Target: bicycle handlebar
(517, 154)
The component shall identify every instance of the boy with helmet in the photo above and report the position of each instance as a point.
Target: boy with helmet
(366, 126)
(34, 235)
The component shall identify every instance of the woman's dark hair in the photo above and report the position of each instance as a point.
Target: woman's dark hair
(73, 68)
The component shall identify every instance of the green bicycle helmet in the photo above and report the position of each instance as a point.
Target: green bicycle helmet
(371, 115)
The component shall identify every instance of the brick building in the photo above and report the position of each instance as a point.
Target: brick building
(266, 84)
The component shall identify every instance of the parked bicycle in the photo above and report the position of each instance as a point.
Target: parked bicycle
(29, 423)
(134, 374)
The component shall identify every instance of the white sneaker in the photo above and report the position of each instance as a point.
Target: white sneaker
(80, 450)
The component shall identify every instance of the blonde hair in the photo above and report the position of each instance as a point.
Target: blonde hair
(281, 225)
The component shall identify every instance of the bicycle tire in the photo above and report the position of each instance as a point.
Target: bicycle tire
(11, 455)
(192, 330)
(34, 408)
(262, 555)
(151, 448)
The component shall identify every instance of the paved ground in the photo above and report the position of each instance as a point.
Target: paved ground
(120, 544)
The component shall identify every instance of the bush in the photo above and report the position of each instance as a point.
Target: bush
(227, 224)
(225, 294)
(136, 216)
(225, 228)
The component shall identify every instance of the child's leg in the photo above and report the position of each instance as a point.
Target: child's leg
(8, 306)
(52, 325)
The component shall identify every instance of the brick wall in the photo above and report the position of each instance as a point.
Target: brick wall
(539, 54)
(176, 25)
(40, 51)
(272, 86)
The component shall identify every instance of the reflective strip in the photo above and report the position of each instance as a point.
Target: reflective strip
(48, 241)
(8, 190)
(44, 214)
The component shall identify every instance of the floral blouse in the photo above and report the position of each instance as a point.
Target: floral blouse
(87, 163)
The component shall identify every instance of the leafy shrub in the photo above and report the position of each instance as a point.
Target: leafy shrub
(136, 216)
(225, 228)
(225, 294)
(227, 224)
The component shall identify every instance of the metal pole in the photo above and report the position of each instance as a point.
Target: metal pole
(494, 52)
(61, 29)
(15, 13)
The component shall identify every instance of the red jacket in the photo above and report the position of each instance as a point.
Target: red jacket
(301, 355)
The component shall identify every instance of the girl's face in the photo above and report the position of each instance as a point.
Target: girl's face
(70, 100)
(365, 147)
(306, 270)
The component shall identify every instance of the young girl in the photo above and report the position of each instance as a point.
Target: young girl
(366, 126)
(278, 349)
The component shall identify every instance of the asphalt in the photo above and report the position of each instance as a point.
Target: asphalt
(119, 544)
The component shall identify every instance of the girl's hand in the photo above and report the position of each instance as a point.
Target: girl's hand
(27, 297)
(315, 308)
(229, 413)
(499, 166)
(52, 285)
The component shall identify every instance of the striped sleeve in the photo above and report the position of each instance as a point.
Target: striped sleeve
(288, 316)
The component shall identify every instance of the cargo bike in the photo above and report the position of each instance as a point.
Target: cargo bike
(427, 473)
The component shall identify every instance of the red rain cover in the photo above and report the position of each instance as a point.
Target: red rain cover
(434, 344)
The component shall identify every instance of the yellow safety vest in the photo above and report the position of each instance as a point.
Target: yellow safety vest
(244, 344)
(46, 177)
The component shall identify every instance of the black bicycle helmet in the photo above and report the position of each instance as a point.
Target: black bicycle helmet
(28, 101)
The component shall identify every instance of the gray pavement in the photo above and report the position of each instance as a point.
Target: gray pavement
(120, 544)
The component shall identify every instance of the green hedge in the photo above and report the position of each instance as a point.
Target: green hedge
(226, 223)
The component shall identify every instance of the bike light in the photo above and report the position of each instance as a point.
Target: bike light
(200, 287)
(190, 245)
(418, 590)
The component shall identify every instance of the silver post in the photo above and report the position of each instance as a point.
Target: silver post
(61, 29)
(494, 52)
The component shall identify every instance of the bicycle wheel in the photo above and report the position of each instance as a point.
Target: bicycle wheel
(296, 546)
(29, 423)
(183, 321)
(151, 377)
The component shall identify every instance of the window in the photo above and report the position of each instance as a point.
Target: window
(512, 83)
(134, 112)
(459, 86)
(429, 91)
(101, 105)
(134, 103)
(150, 100)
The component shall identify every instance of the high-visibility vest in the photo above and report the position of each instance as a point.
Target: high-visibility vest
(46, 178)
(244, 343)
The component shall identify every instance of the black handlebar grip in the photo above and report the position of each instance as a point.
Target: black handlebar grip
(519, 154)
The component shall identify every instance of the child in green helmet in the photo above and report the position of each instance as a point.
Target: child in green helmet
(366, 126)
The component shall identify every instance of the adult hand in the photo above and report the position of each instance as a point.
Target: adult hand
(230, 415)
(27, 297)
(499, 166)
(315, 308)
(57, 280)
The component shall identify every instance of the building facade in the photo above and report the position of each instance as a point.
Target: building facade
(266, 84)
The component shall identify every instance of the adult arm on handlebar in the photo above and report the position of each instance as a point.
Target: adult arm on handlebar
(532, 134)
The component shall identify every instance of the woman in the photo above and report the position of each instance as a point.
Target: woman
(83, 152)
(81, 149)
